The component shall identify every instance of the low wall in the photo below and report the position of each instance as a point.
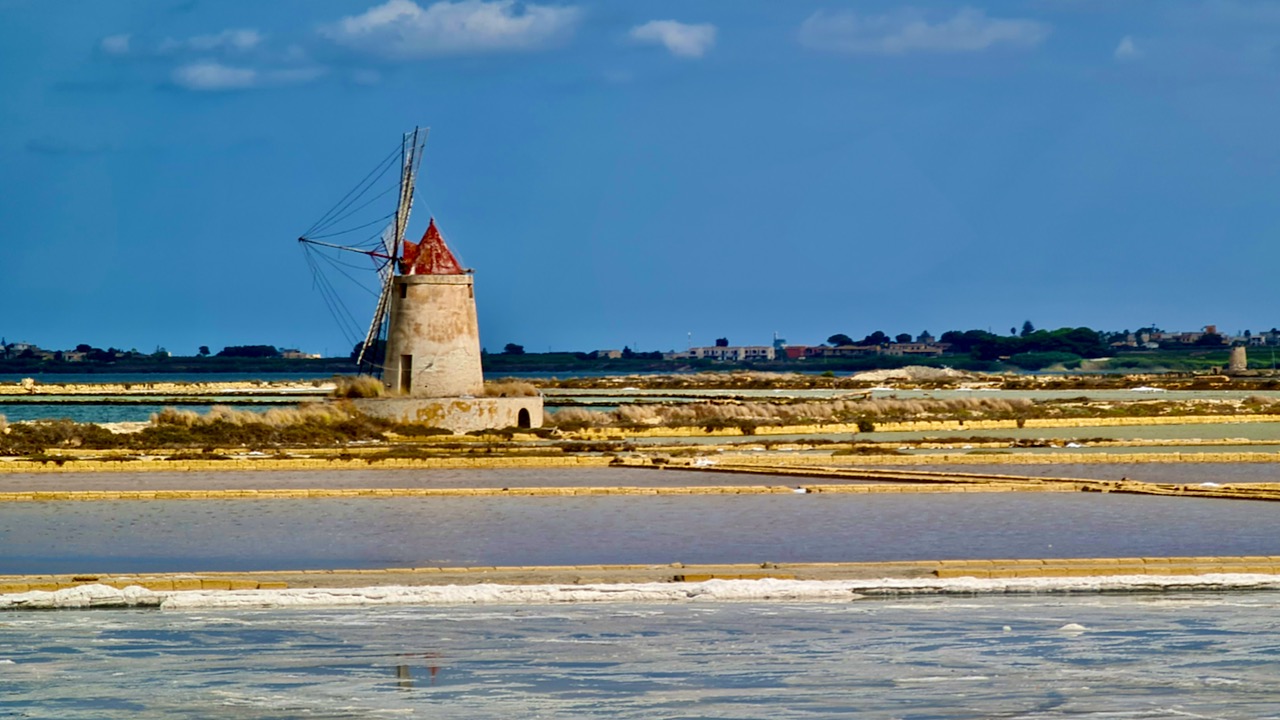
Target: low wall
(459, 414)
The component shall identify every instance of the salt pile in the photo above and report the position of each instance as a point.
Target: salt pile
(95, 596)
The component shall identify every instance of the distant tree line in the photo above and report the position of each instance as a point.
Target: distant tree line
(1028, 348)
(983, 345)
(249, 351)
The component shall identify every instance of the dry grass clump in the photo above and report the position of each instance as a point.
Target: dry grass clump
(572, 417)
(309, 425)
(510, 388)
(4, 424)
(802, 413)
(174, 416)
(314, 413)
(358, 386)
(1253, 401)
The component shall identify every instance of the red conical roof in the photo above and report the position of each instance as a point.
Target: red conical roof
(429, 256)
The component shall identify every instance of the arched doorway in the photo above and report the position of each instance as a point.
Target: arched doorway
(522, 420)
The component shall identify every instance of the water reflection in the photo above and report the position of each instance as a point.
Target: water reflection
(404, 672)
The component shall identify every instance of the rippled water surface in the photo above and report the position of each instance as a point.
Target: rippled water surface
(1123, 656)
(177, 535)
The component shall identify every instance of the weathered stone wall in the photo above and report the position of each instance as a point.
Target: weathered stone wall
(435, 323)
(459, 414)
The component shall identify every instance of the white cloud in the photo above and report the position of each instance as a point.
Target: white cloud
(366, 77)
(116, 44)
(207, 75)
(682, 40)
(233, 40)
(1127, 50)
(401, 29)
(293, 76)
(909, 30)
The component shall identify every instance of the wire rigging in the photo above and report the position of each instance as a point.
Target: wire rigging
(336, 233)
(358, 191)
(342, 316)
(362, 206)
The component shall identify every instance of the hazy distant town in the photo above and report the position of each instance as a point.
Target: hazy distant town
(1022, 348)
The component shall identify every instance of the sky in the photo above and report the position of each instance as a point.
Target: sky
(648, 174)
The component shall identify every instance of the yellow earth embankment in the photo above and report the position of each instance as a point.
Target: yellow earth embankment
(74, 464)
(995, 482)
(1070, 458)
(922, 426)
(313, 493)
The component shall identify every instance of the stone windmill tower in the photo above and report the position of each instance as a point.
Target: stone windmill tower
(432, 362)
(427, 314)
(433, 337)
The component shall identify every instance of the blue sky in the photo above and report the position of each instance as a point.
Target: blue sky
(630, 173)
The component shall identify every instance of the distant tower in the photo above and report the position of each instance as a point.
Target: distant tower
(433, 337)
(1239, 361)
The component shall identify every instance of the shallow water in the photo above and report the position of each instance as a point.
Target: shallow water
(1246, 432)
(1202, 431)
(208, 535)
(101, 412)
(1135, 656)
(141, 378)
(1184, 473)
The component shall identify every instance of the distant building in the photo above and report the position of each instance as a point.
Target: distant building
(295, 354)
(827, 351)
(729, 353)
(916, 348)
(607, 354)
(17, 349)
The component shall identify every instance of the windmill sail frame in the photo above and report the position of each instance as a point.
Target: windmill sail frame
(391, 246)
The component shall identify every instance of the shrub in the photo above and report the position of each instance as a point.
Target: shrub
(413, 430)
(37, 436)
(44, 459)
(869, 450)
(1041, 360)
(197, 456)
